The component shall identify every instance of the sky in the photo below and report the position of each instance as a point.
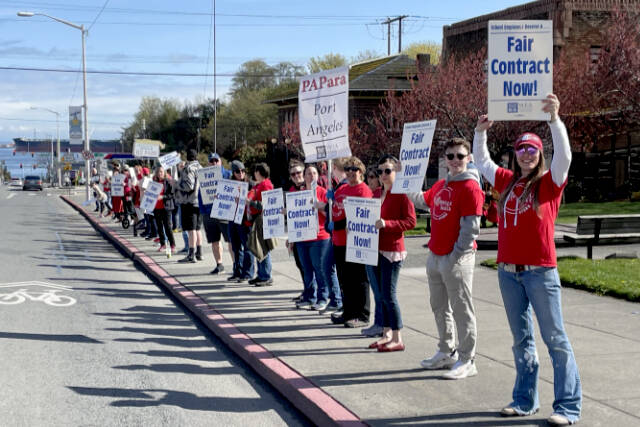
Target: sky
(163, 37)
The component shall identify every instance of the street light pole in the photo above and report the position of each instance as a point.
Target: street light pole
(58, 172)
(87, 144)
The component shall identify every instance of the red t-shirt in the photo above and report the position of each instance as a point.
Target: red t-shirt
(523, 236)
(448, 203)
(160, 202)
(338, 213)
(256, 193)
(399, 215)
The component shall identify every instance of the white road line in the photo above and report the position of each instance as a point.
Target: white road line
(10, 196)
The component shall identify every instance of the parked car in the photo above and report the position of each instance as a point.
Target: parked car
(32, 182)
(16, 182)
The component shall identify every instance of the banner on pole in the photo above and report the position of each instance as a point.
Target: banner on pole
(414, 156)
(146, 148)
(302, 216)
(520, 69)
(150, 197)
(225, 203)
(169, 160)
(362, 234)
(273, 219)
(75, 125)
(208, 180)
(117, 185)
(242, 201)
(323, 110)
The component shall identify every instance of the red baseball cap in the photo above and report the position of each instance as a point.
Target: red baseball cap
(529, 139)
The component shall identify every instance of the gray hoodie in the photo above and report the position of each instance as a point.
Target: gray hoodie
(187, 187)
(469, 225)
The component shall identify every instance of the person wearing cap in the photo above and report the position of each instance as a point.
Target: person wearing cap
(186, 193)
(214, 228)
(529, 200)
(243, 259)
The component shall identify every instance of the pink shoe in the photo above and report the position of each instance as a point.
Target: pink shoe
(162, 248)
(156, 240)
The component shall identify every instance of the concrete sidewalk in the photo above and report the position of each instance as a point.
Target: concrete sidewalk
(391, 388)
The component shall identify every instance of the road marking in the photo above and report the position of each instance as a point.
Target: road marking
(10, 196)
(50, 296)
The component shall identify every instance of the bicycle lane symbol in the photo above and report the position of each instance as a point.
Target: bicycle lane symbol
(19, 292)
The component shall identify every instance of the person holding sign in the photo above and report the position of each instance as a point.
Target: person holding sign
(456, 207)
(527, 273)
(352, 276)
(162, 211)
(397, 215)
(239, 235)
(263, 183)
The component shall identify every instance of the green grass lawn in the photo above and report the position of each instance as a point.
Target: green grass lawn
(618, 278)
(569, 211)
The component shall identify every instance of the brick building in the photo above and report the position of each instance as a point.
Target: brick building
(612, 167)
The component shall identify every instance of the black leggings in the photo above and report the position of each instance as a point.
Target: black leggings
(354, 284)
(163, 222)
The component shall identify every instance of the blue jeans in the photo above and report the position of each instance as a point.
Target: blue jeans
(264, 268)
(384, 282)
(335, 294)
(242, 256)
(312, 256)
(372, 274)
(540, 289)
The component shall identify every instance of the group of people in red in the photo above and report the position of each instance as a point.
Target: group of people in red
(527, 203)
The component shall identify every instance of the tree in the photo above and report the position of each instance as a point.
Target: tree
(365, 55)
(326, 62)
(253, 75)
(432, 48)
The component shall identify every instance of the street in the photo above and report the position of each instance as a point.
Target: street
(87, 339)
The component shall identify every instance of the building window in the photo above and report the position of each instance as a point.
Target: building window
(594, 53)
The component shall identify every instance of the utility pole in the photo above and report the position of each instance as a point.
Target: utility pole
(388, 23)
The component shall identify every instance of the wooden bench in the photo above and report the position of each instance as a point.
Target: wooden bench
(593, 229)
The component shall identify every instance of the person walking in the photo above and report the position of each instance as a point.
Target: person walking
(187, 195)
(456, 207)
(397, 215)
(528, 277)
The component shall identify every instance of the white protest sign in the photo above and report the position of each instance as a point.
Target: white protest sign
(302, 216)
(145, 182)
(117, 185)
(520, 69)
(208, 180)
(362, 235)
(169, 160)
(414, 156)
(273, 219)
(150, 197)
(224, 205)
(323, 109)
(145, 148)
(242, 201)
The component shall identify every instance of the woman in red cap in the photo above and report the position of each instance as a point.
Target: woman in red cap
(528, 206)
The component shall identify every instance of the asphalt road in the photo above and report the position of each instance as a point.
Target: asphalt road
(87, 339)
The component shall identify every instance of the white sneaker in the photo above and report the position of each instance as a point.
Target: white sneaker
(440, 360)
(558, 420)
(461, 369)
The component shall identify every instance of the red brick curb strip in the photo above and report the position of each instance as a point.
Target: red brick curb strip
(311, 400)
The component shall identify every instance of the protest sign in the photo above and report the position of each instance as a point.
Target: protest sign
(150, 197)
(242, 201)
(225, 204)
(323, 109)
(520, 69)
(362, 235)
(208, 180)
(145, 182)
(146, 148)
(117, 185)
(302, 216)
(414, 156)
(169, 160)
(273, 219)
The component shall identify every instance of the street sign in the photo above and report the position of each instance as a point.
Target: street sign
(87, 155)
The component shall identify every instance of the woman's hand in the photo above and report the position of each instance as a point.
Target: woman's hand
(483, 123)
(380, 224)
(551, 105)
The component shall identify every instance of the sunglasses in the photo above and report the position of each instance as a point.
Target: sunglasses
(239, 171)
(296, 173)
(527, 149)
(351, 169)
(387, 171)
(451, 156)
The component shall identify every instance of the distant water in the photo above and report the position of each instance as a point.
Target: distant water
(13, 163)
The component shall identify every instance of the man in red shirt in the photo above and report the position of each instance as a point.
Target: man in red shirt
(263, 183)
(456, 208)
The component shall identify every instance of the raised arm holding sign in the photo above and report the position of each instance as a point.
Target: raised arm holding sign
(414, 156)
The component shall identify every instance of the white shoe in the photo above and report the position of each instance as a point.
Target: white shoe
(558, 420)
(440, 360)
(462, 369)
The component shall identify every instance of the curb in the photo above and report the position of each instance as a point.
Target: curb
(316, 404)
